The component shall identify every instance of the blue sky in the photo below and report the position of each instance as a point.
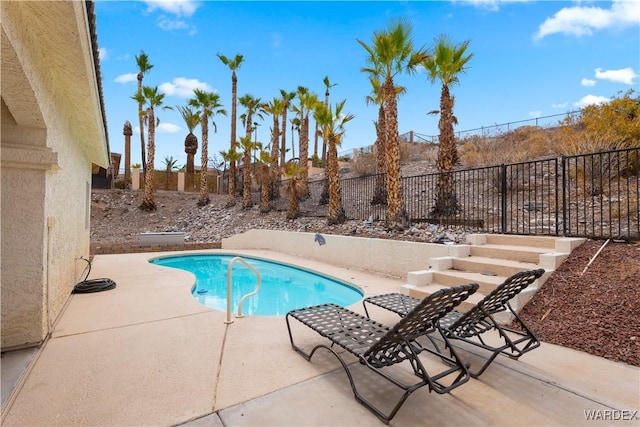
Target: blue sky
(531, 59)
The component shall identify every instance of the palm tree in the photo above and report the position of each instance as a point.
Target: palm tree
(144, 66)
(307, 103)
(208, 105)
(191, 120)
(332, 126)
(253, 106)
(380, 192)
(295, 127)
(170, 164)
(391, 53)
(233, 65)
(327, 86)
(264, 176)
(127, 132)
(287, 97)
(275, 107)
(446, 64)
(227, 156)
(292, 171)
(152, 100)
(247, 147)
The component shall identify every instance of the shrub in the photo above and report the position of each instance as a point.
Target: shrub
(611, 126)
(122, 184)
(520, 145)
(364, 164)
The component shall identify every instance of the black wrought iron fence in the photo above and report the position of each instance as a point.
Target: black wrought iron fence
(593, 195)
(601, 193)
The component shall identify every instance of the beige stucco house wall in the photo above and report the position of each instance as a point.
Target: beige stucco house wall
(52, 130)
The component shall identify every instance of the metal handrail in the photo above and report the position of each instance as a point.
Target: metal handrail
(244, 297)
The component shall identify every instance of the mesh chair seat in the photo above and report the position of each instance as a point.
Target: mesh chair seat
(471, 326)
(378, 346)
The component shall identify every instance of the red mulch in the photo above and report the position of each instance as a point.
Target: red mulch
(597, 312)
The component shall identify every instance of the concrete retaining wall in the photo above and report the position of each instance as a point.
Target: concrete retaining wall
(389, 257)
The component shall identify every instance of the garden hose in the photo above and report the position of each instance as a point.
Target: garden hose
(93, 285)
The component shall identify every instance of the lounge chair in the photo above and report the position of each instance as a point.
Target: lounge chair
(470, 327)
(378, 346)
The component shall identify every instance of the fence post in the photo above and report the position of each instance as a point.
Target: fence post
(181, 182)
(503, 193)
(135, 179)
(564, 196)
(556, 187)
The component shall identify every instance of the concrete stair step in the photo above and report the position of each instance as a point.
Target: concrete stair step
(466, 305)
(488, 260)
(530, 254)
(449, 278)
(545, 242)
(499, 267)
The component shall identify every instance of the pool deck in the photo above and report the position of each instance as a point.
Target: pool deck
(147, 353)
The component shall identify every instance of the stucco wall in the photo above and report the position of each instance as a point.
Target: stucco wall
(67, 210)
(23, 255)
(51, 109)
(389, 257)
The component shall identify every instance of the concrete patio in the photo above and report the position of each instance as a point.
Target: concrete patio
(147, 353)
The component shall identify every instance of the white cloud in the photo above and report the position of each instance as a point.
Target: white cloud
(535, 114)
(183, 87)
(590, 100)
(492, 5)
(167, 128)
(587, 82)
(170, 25)
(126, 78)
(560, 106)
(178, 9)
(624, 75)
(103, 53)
(175, 7)
(583, 20)
(161, 128)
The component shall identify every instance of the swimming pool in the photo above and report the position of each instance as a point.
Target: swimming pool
(284, 287)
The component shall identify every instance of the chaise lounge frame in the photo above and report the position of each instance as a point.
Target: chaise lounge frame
(470, 327)
(378, 346)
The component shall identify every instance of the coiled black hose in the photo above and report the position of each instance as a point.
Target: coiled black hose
(93, 285)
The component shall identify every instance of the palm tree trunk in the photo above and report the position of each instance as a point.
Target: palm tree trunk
(304, 156)
(446, 199)
(127, 132)
(204, 160)
(315, 144)
(274, 188)
(397, 217)
(246, 180)
(231, 200)
(336, 211)
(148, 203)
(234, 100)
(292, 212)
(266, 189)
(283, 133)
(141, 122)
(380, 192)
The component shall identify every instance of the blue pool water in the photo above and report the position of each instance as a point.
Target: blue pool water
(284, 288)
